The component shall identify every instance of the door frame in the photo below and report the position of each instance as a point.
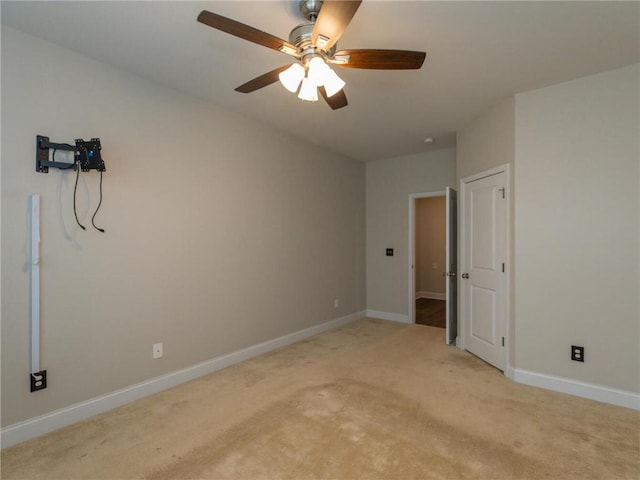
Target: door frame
(462, 259)
(412, 247)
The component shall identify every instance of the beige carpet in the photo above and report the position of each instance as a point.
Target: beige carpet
(371, 400)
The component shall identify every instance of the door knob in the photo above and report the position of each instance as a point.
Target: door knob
(465, 275)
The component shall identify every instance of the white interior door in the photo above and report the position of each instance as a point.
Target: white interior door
(484, 278)
(452, 266)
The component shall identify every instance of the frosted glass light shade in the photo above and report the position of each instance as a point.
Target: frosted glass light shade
(332, 83)
(291, 77)
(308, 90)
(318, 71)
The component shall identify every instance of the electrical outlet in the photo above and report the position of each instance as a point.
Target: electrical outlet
(38, 380)
(577, 353)
(336, 303)
(389, 252)
(157, 350)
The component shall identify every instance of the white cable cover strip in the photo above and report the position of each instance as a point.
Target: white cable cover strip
(35, 282)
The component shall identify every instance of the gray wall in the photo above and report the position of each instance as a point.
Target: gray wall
(574, 154)
(487, 142)
(577, 228)
(220, 233)
(389, 184)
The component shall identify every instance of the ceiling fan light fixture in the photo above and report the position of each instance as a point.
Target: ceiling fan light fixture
(332, 83)
(308, 90)
(317, 70)
(291, 77)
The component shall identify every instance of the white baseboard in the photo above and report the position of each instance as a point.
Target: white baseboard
(34, 427)
(394, 317)
(591, 391)
(431, 295)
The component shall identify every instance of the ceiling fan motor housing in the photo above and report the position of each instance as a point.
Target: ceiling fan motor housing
(300, 36)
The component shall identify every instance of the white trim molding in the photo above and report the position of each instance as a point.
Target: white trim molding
(394, 317)
(34, 427)
(600, 393)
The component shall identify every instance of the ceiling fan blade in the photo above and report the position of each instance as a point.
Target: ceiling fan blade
(332, 20)
(380, 59)
(261, 81)
(246, 32)
(336, 101)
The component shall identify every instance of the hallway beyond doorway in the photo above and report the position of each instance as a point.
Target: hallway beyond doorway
(431, 312)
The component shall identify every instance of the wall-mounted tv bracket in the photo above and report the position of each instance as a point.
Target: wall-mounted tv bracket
(42, 154)
(86, 154)
(89, 155)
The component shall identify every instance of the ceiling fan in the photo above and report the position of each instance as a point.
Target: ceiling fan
(314, 46)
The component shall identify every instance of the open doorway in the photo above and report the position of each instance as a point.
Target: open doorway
(430, 261)
(433, 251)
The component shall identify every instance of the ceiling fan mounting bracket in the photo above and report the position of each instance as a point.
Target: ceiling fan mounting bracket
(310, 9)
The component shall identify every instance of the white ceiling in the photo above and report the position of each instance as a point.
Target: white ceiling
(477, 54)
